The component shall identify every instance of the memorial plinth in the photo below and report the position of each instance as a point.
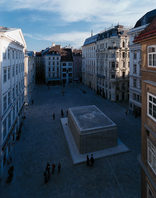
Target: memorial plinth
(91, 128)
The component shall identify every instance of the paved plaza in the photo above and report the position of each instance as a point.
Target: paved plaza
(43, 140)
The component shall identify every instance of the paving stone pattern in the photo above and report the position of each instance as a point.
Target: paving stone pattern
(43, 140)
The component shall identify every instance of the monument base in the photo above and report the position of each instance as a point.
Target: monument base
(78, 158)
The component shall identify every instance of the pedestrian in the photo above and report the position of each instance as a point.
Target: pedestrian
(48, 170)
(53, 116)
(92, 160)
(32, 101)
(62, 114)
(59, 167)
(53, 168)
(87, 162)
(45, 177)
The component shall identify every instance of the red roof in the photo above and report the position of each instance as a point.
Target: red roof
(148, 32)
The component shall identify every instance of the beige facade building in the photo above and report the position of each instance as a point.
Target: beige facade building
(113, 63)
(106, 63)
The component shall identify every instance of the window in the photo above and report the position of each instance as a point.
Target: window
(123, 55)
(13, 114)
(13, 54)
(64, 64)
(134, 69)
(4, 54)
(13, 70)
(17, 107)
(4, 74)
(16, 69)
(4, 103)
(149, 192)
(151, 155)
(134, 82)
(113, 76)
(123, 44)
(123, 74)
(113, 65)
(151, 106)
(152, 56)
(8, 53)
(8, 73)
(4, 129)
(9, 98)
(9, 120)
(49, 69)
(135, 55)
(123, 63)
(13, 92)
(16, 89)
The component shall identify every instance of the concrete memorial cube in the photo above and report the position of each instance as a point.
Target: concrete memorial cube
(91, 128)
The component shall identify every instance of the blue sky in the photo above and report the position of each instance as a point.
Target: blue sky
(68, 22)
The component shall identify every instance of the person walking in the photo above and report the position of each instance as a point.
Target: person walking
(59, 168)
(62, 114)
(53, 168)
(92, 160)
(45, 177)
(87, 162)
(48, 170)
(53, 116)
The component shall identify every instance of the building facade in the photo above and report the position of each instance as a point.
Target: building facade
(51, 63)
(29, 76)
(77, 65)
(89, 62)
(66, 66)
(105, 63)
(113, 64)
(135, 62)
(12, 50)
(147, 39)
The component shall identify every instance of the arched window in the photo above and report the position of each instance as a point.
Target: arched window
(123, 44)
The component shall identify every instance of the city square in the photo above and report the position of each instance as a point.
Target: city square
(42, 140)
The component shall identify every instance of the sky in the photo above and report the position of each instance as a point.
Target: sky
(68, 22)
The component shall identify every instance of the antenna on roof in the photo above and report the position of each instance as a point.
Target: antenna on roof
(91, 32)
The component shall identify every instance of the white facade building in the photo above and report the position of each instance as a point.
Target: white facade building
(51, 62)
(29, 76)
(12, 50)
(135, 74)
(89, 62)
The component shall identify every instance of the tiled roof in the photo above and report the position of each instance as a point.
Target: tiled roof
(148, 32)
(91, 40)
(66, 54)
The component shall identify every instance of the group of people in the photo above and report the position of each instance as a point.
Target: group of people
(90, 161)
(50, 170)
(62, 114)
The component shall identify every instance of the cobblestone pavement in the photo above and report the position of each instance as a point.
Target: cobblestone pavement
(43, 140)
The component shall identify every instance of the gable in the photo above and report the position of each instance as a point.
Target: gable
(16, 34)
